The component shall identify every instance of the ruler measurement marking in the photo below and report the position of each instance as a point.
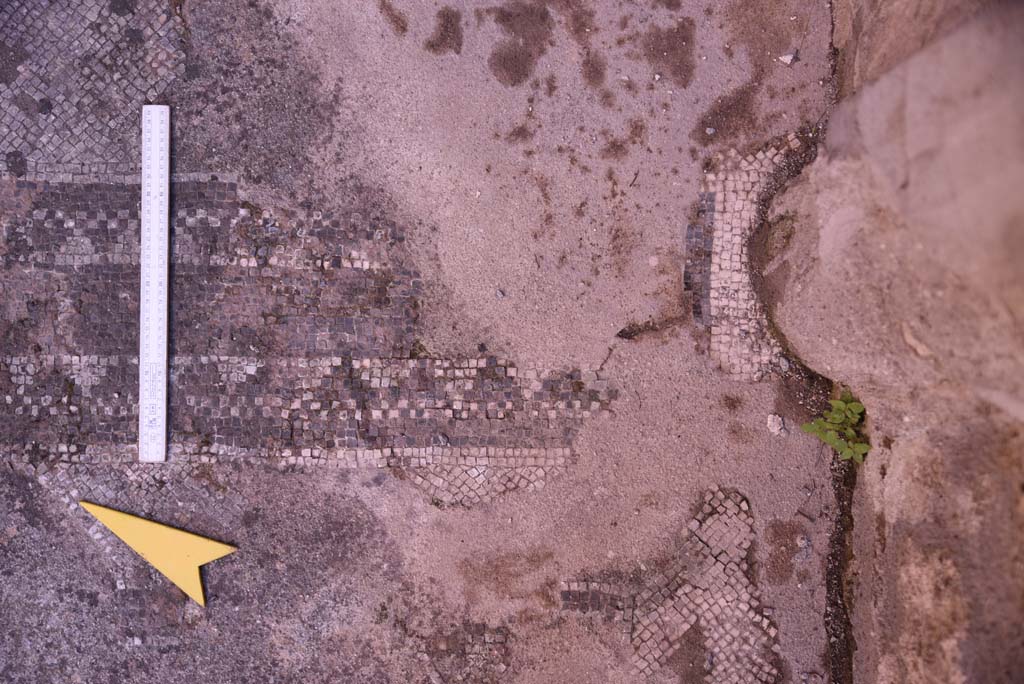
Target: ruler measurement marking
(153, 283)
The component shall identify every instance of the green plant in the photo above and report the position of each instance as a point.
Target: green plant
(841, 427)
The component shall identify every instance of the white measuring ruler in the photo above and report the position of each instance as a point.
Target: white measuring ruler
(153, 313)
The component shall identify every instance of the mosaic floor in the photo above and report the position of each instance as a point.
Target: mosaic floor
(706, 585)
(295, 343)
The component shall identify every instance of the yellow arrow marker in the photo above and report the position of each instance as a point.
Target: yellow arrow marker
(177, 554)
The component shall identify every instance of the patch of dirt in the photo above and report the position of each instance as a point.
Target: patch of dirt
(637, 330)
(30, 307)
(241, 112)
(594, 68)
(625, 235)
(731, 116)
(26, 103)
(11, 57)
(671, 50)
(508, 575)
(520, 134)
(802, 394)
(17, 165)
(205, 473)
(529, 27)
(447, 35)
(783, 545)
(741, 433)
(579, 16)
(618, 147)
(731, 403)
(14, 200)
(550, 85)
(689, 659)
(764, 33)
(397, 19)
(123, 8)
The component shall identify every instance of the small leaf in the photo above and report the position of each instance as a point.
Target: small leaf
(861, 448)
(856, 407)
(849, 433)
(858, 458)
(809, 427)
(838, 405)
(844, 457)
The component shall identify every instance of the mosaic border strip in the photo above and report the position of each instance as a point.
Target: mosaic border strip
(707, 584)
(448, 474)
(717, 265)
(696, 271)
(449, 477)
(38, 458)
(103, 174)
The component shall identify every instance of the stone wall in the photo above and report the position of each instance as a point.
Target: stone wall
(897, 270)
(873, 36)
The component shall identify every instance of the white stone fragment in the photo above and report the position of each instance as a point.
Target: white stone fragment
(777, 425)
